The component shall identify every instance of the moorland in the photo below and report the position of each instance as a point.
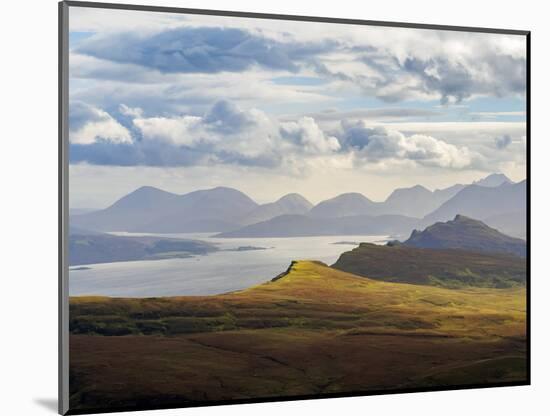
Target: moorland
(312, 330)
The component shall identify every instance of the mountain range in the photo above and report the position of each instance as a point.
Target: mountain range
(149, 209)
(305, 225)
(231, 213)
(287, 205)
(503, 206)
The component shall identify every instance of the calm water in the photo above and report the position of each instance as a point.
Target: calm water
(218, 272)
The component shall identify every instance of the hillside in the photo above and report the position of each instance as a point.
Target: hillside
(105, 248)
(304, 225)
(467, 234)
(443, 267)
(315, 330)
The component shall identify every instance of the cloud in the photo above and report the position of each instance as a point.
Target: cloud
(139, 153)
(224, 134)
(503, 142)
(496, 114)
(457, 79)
(88, 124)
(374, 114)
(130, 111)
(308, 135)
(201, 50)
(223, 123)
(226, 117)
(376, 144)
(391, 64)
(174, 130)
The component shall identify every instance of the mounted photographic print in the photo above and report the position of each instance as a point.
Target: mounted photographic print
(263, 207)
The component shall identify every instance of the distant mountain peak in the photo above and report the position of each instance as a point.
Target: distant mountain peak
(293, 197)
(416, 190)
(292, 203)
(493, 180)
(347, 204)
(351, 195)
(148, 189)
(222, 189)
(348, 196)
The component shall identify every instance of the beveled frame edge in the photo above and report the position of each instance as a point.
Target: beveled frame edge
(275, 16)
(63, 208)
(63, 189)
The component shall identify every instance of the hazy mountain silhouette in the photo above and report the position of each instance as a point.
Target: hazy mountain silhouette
(481, 202)
(345, 205)
(466, 234)
(288, 204)
(495, 179)
(223, 209)
(307, 225)
(149, 209)
(417, 201)
(511, 223)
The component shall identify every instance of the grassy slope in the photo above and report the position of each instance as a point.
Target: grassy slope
(444, 267)
(314, 330)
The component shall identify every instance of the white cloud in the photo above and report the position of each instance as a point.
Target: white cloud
(88, 124)
(307, 134)
(176, 130)
(130, 111)
(380, 144)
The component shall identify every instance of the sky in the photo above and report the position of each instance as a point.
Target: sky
(187, 102)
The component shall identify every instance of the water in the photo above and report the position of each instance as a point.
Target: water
(218, 272)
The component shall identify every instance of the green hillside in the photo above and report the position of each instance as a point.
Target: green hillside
(438, 267)
(313, 330)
